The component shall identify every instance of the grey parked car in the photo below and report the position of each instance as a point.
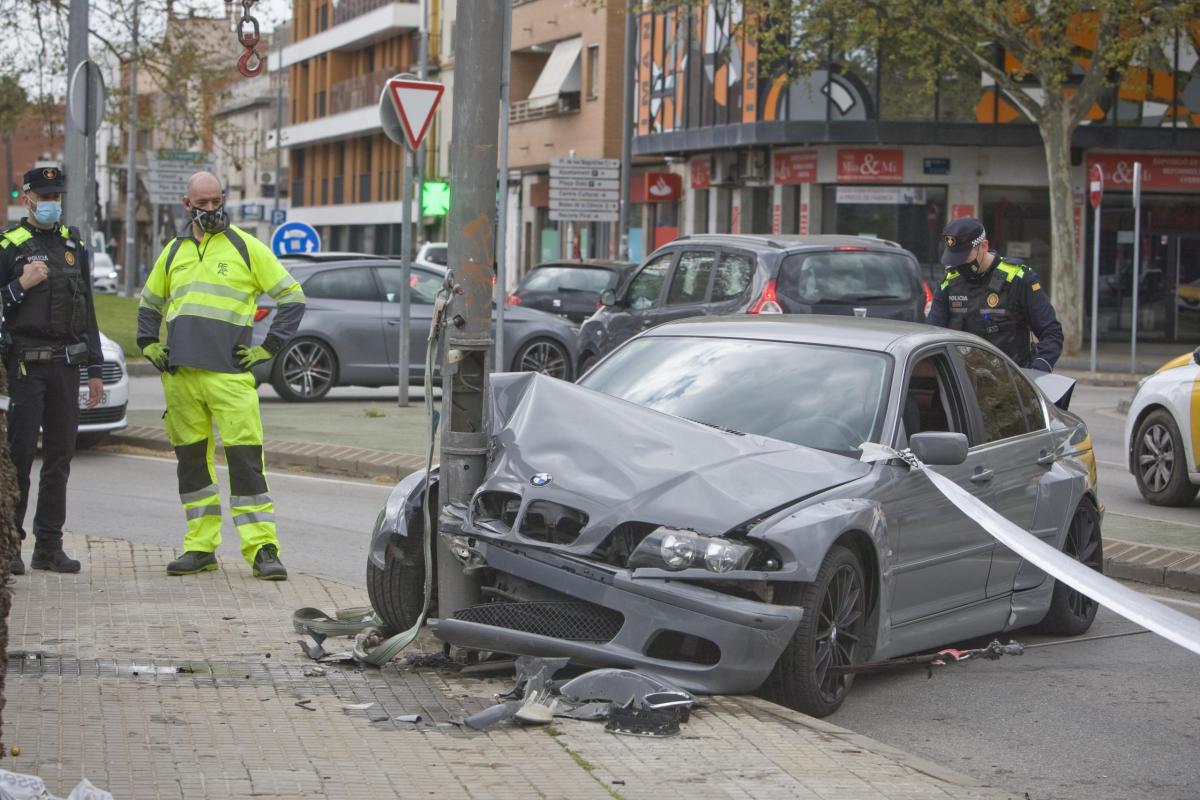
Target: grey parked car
(696, 507)
(733, 274)
(350, 336)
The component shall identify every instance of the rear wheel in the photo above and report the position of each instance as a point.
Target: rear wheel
(587, 362)
(545, 356)
(1160, 462)
(1072, 612)
(830, 635)
(305, 370)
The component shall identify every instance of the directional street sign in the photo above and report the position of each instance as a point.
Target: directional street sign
(295, 237)
(585, 189)
(414, 101)
(169, 173)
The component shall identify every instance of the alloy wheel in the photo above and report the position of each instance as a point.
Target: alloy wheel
(545, 357)
(1156, 457)
(308, 369)
(840, 621)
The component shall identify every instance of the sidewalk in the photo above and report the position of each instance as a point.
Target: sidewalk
(159, 687)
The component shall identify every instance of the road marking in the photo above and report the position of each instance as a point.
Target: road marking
(276, 473)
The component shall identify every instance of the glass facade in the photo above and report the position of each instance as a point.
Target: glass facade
(911, 215)
(1017, 222)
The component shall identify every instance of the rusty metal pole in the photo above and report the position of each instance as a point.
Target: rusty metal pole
(473, 150)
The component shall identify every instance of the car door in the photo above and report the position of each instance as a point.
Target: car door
(641, 301)
(688, 288)
(731, 282)
(941, 558)
(423, 287)
(1014, 450)
(343, 306)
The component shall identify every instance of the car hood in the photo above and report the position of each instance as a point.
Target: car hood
(621, 462)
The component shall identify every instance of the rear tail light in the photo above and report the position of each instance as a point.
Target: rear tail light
(261, 313)
(767, 303)
(514, 299)
(850, 247)
(928, 297)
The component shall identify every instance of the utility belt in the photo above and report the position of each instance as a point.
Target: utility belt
(44, 354)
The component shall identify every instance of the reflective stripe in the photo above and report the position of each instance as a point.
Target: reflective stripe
(1011, 270)
(199, 494)
(151, 300)
(196, 512)
(239, 500)
(209, 288)
(253, 516)
(950, 275)
(287, 286)
(209, 312)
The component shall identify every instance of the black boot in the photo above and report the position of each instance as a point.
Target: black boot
(18, 565)
(192, 562)
(53, 561)
(267, 564)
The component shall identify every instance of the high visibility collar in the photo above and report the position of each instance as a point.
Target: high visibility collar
(35, 229)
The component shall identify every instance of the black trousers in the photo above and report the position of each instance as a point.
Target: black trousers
(45, 397)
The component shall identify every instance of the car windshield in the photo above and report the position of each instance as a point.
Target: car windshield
(569, 279)
(830, 398)
(436, 254)
(845, 276)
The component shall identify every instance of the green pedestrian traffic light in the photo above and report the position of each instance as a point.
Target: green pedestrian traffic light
(14, 193)
(435, 198)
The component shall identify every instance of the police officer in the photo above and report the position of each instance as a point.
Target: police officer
(206, 283)
(49, 332)
(994, 297)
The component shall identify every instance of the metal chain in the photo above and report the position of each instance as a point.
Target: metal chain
(251, 63)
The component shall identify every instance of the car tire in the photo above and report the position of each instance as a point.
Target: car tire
(587, 362)
(1071, 612)
(547, 356)
(398, 590)
(86, 441)
(1160, 462)
(305, 370)
(834, 606)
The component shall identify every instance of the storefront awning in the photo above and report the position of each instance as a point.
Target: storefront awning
(560, 75)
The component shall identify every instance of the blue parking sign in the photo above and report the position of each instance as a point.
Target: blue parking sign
(279, 216)
(295, 237)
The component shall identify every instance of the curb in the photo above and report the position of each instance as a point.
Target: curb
(1157, 566)
(353, 462)
(140, 368)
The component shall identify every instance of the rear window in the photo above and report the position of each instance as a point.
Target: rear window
(436, 255)
(846, 276)
(569, 279)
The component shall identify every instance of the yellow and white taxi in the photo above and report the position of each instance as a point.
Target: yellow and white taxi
(1162, 432)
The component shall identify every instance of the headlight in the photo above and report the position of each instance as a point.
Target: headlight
(113, 275)
(675, 549)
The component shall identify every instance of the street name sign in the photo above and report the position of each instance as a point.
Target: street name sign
(585, 189)
(169, 171)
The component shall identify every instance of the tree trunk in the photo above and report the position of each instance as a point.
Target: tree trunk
(1064, 273)
(8, 159)
(9, 543)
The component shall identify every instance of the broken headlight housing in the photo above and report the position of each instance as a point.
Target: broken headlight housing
(675, 549)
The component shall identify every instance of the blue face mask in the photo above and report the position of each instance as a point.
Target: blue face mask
(48, 212)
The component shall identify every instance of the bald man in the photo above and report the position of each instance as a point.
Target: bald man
(206, 283)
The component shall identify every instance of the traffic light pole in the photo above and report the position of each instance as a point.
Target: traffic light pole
(465, 384)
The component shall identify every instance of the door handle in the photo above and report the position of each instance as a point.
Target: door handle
(1046, 458)
(393, 322)
(982, 475)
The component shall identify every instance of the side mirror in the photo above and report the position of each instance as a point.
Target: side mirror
(939, 449)
(608, 298)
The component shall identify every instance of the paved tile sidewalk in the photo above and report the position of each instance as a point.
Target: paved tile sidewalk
(158, 687)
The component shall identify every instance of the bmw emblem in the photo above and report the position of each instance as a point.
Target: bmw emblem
(541, 479)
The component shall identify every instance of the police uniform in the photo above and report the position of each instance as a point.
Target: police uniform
(1004, 305)
(49, 332)
(207, 290)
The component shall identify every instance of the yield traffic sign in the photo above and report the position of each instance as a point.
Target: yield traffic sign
(415, 103)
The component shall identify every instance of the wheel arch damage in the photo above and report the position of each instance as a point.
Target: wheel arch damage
(401, 516)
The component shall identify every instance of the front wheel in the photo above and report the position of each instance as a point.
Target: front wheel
(398, 590)
(1160, 462)
(1072, 612)
(830, 635)
(305, 370)
(545, 356)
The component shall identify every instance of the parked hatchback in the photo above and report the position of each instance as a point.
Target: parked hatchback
(570, 289)
(715, 274)
(350, 334)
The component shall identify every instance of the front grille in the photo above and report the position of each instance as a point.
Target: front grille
(110, 372)
(573, 620)
(99, 416)
(552, 522)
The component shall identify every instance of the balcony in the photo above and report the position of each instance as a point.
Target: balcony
(359, 91)
(350, 9)
(357, 24)
(524, 111)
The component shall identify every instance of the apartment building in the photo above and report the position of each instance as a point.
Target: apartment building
(37, 139)
(345, 175)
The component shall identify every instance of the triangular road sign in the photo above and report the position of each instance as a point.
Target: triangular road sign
(415, 103)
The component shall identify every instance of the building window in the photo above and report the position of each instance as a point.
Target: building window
(322, 17)
(320, 103)
(593, 71)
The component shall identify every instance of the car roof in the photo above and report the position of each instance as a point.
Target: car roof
(346, 260)
(787, 242)
(882, 335)
(602, 263)
(333, 255)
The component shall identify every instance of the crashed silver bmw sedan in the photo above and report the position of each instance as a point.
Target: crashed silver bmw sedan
(699, 507)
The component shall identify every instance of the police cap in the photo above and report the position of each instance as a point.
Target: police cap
(961, 236)
(44, 180)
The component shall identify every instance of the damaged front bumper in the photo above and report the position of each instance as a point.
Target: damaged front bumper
(600, 616)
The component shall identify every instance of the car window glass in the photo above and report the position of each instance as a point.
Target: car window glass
(423, 285)
(996, 393)
(436, 254)
(342, 284)
(567, 279)
(928, 405)
(645, 289)
(735, 273)
(689, 283)
(846, 276)
(1030, 400)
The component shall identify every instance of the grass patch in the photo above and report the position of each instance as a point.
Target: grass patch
(373, 413)
(116, 317)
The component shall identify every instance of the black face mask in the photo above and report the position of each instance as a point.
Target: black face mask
(213, 221)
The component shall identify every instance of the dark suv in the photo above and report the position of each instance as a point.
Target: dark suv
(712, 274)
